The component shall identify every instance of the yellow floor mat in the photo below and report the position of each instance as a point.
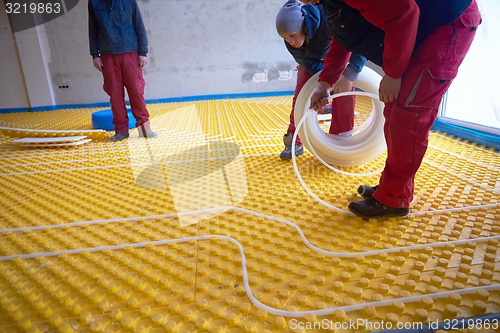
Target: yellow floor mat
(205, 229)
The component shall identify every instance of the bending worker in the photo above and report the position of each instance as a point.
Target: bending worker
(305, 33)
(420, 44)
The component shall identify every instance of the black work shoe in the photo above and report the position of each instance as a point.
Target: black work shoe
(370, 207)
(119, 136)
(366, 191)
(286, 154)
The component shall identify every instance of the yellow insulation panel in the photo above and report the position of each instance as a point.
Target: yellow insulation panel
(205, 229)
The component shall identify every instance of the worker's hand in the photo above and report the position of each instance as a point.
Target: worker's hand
(342, 85)
(389, 89)
(310, 1)
(320, 96)
(142, 61)
(98, 63)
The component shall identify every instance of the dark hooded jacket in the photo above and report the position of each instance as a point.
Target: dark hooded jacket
(314, 50)
(360, 30)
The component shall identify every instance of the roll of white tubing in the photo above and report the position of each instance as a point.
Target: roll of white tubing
(362, 144)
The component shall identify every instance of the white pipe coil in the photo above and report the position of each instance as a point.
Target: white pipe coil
(362, 144)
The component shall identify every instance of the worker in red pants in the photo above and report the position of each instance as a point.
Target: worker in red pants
(420, 44)
(119, 46)
(306, 37)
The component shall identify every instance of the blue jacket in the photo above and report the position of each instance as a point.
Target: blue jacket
(116, 26)
(310, 56)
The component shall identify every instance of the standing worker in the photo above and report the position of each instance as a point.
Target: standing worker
(420, 44)
(119, 46)
(305, 33)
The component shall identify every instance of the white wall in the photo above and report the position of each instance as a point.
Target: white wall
(12, 89)
(34, 56)
(473, 96)
(195, 48)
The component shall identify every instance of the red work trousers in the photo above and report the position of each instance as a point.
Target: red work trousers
(342, 108)
(123, 70)
(408, 120)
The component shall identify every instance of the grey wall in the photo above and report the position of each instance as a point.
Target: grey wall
(13, 93)
(195, 48)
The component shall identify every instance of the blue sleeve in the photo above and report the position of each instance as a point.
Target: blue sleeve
(93, 32)
(356, 64)
(140, 30)
(311, 65)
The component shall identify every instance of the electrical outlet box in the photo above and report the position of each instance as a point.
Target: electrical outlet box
(260, 77)
(285, 75)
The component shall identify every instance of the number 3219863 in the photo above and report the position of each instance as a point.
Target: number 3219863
(471, 323)
(32, 8)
